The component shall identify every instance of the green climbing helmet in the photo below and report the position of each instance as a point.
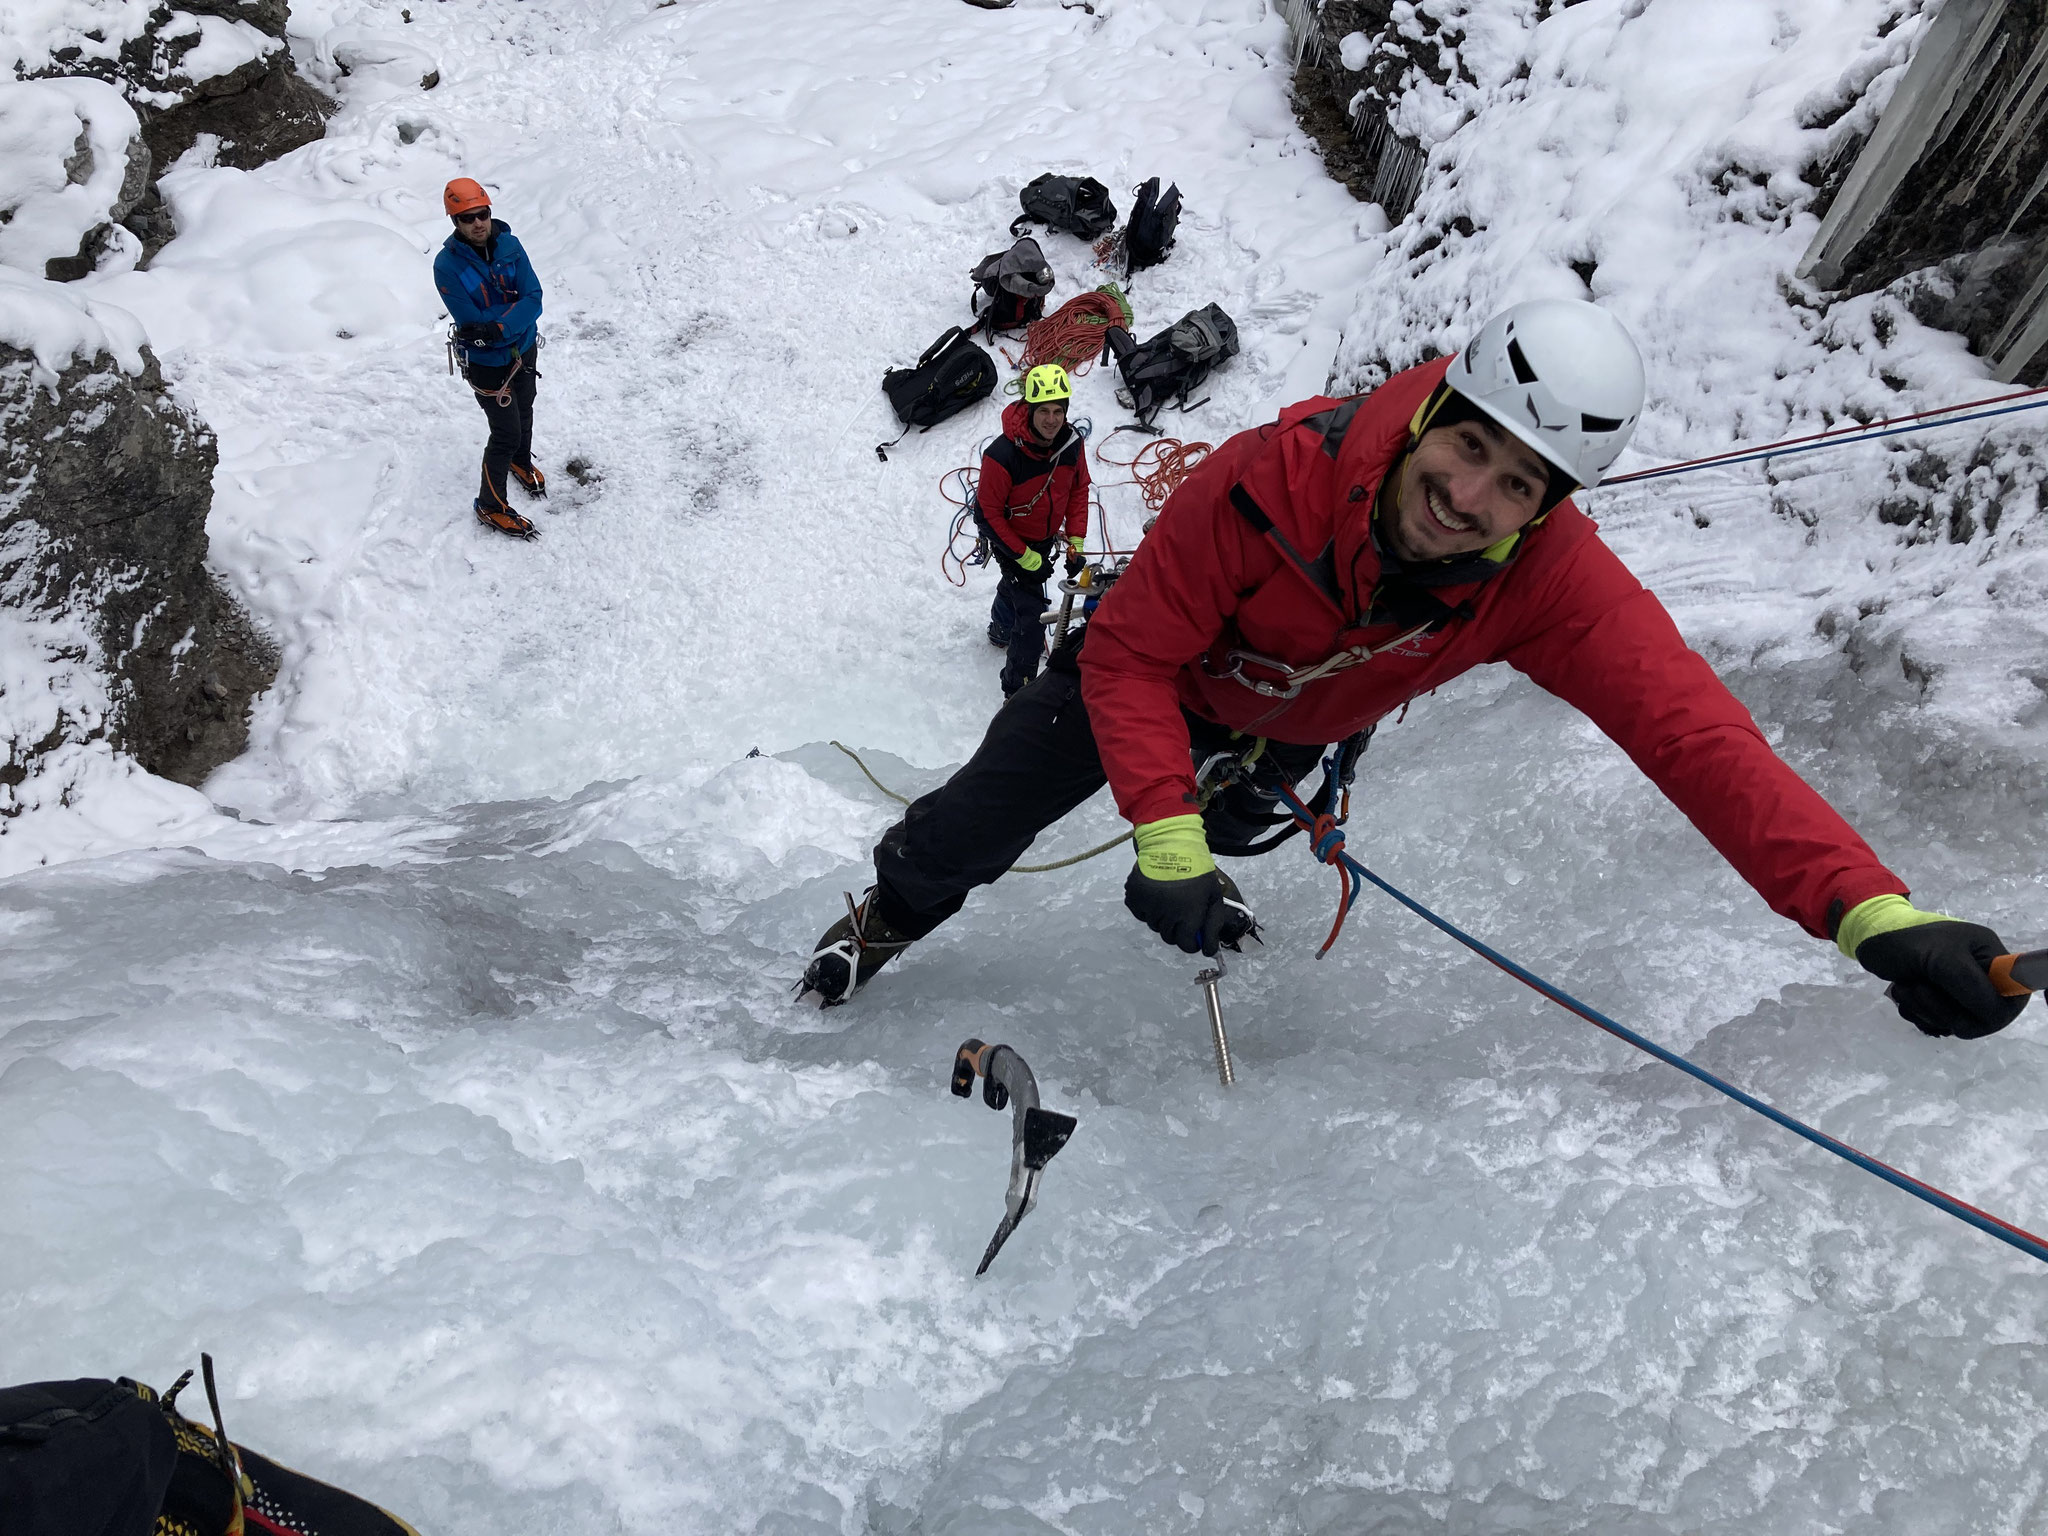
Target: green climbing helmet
(1046, 383)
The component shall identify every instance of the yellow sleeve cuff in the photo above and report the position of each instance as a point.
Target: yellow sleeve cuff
(1173, 848)
(1881, 914)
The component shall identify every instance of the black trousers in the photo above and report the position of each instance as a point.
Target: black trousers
(511, 423)
(1018, 603)
(1036, 763)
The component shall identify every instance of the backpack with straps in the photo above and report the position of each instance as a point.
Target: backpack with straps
(1154, 219)
(116, 1459)
(1173, 364)
(952, 374)
(1074, 205)
(1014, 284)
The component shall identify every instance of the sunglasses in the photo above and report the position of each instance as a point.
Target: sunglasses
(481, 216)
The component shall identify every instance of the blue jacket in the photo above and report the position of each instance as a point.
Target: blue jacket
(495, 285)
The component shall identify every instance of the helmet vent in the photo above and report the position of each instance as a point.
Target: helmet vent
(1599, 423)
(1524, 374)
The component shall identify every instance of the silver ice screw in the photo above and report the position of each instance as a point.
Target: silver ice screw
(1206, 980)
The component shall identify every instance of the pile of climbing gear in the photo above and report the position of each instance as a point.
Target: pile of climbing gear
(1172, 365)
(1036, 1133)
(951, 374)
(1075, 334)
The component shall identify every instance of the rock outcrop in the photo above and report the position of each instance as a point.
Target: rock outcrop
(220, 68)
(1358, 59)
(1950, 190)
(105, 483)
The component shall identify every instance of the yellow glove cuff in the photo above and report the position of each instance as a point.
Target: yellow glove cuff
(1881, 914)
(1031, 559)
(1077, 542)
(1173, 848)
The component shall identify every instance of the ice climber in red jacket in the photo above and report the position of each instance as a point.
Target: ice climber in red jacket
(1030, 497)
(1318, 572)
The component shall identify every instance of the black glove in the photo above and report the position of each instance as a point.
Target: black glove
(480, 333)
(1203, 913)
(1076, 563)
(1939, 975)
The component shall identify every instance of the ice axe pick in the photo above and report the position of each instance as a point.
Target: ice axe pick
(1036, 1133)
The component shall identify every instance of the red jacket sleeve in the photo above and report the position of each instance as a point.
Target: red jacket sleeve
(1166, 610)
(1076, 523)
(992, 496)
(1609, 649)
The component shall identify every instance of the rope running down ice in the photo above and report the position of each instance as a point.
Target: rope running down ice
(1329, 847)
(1015, 869)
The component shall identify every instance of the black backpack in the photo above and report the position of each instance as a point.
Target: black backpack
(1173, 364)
(952, 374)
(1149, 235)
(1014, 284)
(1076, 205)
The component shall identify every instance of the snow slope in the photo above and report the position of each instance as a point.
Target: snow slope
(449, 1091)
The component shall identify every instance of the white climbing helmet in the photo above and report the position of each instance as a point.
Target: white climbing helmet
(1560, 374)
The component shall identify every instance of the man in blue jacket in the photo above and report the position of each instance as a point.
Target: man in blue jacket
(494, 299)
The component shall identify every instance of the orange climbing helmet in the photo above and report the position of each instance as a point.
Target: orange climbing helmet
(464, 196)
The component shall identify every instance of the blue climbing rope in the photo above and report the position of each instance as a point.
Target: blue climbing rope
(1329, 847)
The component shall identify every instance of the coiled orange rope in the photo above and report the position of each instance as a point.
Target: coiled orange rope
(1160, 467)
(1073, 335)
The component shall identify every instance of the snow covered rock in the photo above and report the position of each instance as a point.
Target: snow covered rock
(218, 69)
(111, 625)
(72, 166)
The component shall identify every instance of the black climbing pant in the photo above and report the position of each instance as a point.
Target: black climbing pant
(1019, 603)
(1036, 763)
(506, 394)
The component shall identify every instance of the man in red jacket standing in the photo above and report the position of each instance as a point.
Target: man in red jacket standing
(1031, 495)
(1320, 571)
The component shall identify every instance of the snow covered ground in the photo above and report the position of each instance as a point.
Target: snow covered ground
(448, 1090)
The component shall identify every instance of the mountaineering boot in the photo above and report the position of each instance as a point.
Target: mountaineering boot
(850, 953)
(505, 520)
(535, 482)
(998, 636)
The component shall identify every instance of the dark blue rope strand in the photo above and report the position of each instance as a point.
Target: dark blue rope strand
(2004, 1231)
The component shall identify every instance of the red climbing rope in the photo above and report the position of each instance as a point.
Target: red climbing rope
(1160, 466)
(1888, 426)
(1073, 334)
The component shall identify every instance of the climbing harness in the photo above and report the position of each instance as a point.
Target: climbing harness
(1036, 1133)
(1834, 437)
(2024, 972)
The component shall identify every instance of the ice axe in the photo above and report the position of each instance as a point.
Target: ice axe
(2021, 975)
(1036, 1133)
